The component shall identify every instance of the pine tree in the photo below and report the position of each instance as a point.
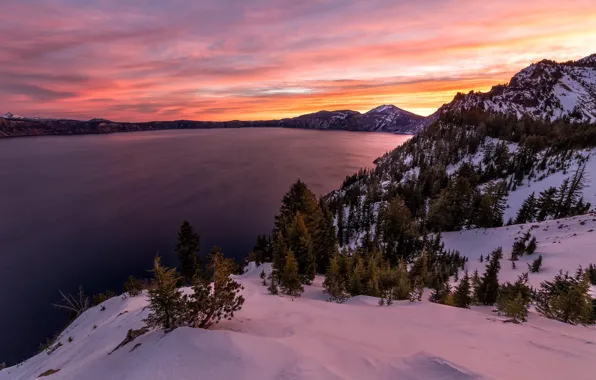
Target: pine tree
(527, 212)
(299, 241)
(208, 304)
(397, 231)
(403, 286)
(566, 299)
(133, 286)
(462, 297)
(481, 258)
(591, 271)
(475, 287)
(489, 284)
(165, 300)
(419, 270)
(546, 203)
(536, 265)
(334, 283)
(514, 299)
(372, 277)
(187, 248)
(325, 242)
(356, 286)
(440, 292)
(517, 250)
(417, 290)
(290, 278)
(531, 247)
(340, 226)
(273, 283)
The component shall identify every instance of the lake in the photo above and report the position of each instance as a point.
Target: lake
(91, 210)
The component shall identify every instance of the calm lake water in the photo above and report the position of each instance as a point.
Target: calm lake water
(91, 210)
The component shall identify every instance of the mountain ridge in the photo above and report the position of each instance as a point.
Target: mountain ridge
(381, 119)
(546, 90)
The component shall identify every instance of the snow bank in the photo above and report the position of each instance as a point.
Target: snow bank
(564, 244)
(308, 338)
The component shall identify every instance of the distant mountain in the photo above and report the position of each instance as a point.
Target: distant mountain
(545, 90)
(386, 118)
(381, 119)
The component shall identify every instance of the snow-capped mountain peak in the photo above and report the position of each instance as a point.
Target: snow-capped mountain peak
(386, 108)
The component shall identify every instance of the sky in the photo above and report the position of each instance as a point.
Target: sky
(141, 60)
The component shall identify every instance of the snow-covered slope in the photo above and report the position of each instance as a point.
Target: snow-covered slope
(308, 338)
(544, 90)
(564, 245)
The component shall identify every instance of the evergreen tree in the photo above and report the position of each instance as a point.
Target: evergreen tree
(325, 240)
(440, 292)
(387, 284)
(208, 304)
(462, 297)
(397, 231)
(546, 203)
(489, 284)
(263, 250)
(133, 286)
(334, 283)
(419, 270)
(290, 278)
(417, 290)
(300, 243)
(165, 300)
(536, 265)
(318, 225)
(187, 249)
(403, 287)
(566, 299)
(476, 287)
(527, 212)
(591, 272)
(570, 195)
(514, 299)
(340, 226)
(273, 283)
(372, 277)
(356, 286)
(497, 195)
(531, 247)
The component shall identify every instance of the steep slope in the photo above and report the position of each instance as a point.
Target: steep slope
(308, 338)
(466, 164)
(544, 90)
(564, 245)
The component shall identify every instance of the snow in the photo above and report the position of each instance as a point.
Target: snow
(563, 243)
(279, 338)
(516, 197)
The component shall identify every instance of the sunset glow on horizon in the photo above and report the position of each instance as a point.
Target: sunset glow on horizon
(141, 60)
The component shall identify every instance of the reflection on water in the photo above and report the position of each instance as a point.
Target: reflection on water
(93, 209)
